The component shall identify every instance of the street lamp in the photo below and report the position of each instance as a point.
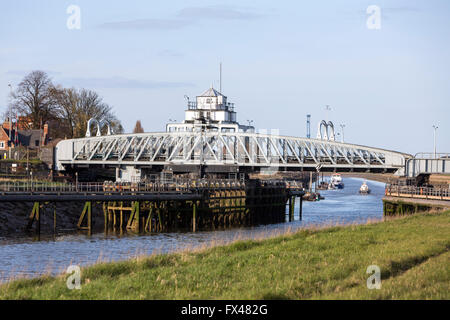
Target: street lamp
(327, 109)
(342, 128)
(250, 122)
(435, 128)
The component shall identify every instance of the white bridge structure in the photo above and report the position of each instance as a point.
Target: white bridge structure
(238, 149)
(428, 163)
(211, 138)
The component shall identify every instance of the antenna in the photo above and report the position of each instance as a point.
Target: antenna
(308, 126)
(220, 78)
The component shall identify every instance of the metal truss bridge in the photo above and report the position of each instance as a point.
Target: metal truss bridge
(428, 163)
(246, 151)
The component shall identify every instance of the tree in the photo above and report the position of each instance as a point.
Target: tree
(67, 110)
(90, 105)
(76, 107)
(138, 127)
(32, 99)
(67, 100)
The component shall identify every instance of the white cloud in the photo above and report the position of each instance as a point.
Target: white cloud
(121, 82)
(186, 17)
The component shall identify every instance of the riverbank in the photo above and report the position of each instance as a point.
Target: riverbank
(412, 253)
(380, 177)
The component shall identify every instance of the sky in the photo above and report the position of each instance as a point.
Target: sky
(281, 61)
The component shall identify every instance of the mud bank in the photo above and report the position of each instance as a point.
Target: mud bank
(14, 217)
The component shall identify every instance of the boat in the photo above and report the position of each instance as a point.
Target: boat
(323, 185)
(364, 189)
(336, 181)
(313, 196)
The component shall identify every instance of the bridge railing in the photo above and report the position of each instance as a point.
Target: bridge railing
(431, 155)
(417, 192)
(173, 185)
(91, 187)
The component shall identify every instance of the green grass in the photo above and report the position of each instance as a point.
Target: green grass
(412, 252)
(29, 161)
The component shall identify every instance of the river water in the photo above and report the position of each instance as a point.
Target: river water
(25, 258)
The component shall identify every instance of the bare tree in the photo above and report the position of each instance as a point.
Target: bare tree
(33, 99)
(66, 99)
(67, 109)
(91, 105)
(138, 127)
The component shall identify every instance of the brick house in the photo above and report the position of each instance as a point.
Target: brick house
(33, 139)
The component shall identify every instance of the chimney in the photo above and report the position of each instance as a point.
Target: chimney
(5, 124)
(45, 134)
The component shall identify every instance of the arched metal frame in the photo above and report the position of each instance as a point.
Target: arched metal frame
(223, 148)
(99, 126)
(329, 131)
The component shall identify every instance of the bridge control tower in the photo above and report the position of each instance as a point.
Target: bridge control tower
(210, 112)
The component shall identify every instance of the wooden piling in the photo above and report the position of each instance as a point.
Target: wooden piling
(194, 213)
(136, 206)
(300, 209)
(105, 216)
(293, 208)
(86, 210)
(54, 217)
(121, 215)
(38, 222)
(290, 209)
(148, 224)
(35, 216)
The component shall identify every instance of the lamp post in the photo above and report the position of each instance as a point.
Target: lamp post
(10, 126)
(342, 128)
(327, 109)
(435, 128)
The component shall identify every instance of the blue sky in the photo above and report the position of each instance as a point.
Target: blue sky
(281, 61)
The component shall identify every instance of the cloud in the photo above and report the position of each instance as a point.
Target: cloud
(121, 82)
(223, 13)
(186, 17)
(169, 53)
(156, 24)
(388, 11)
(400, 9)
(23, 73)
(8, 51)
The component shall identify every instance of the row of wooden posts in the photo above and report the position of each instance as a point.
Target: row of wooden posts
(161, 216)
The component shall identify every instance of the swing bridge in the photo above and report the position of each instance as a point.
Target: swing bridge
(223, 152)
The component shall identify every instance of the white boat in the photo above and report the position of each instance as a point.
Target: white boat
(336, 181)
(364, 189)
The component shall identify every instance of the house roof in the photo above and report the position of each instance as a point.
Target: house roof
(26, 137)
(211, 92)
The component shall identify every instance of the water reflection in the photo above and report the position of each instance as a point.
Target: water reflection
(26, 258)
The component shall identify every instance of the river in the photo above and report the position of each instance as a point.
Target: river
(25, 258)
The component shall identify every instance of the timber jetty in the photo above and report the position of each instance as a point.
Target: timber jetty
(400, 200)
(162, 206)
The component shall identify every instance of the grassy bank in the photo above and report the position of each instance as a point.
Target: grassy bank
(413, 254)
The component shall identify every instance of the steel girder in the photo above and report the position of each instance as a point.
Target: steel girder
(220, 148)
